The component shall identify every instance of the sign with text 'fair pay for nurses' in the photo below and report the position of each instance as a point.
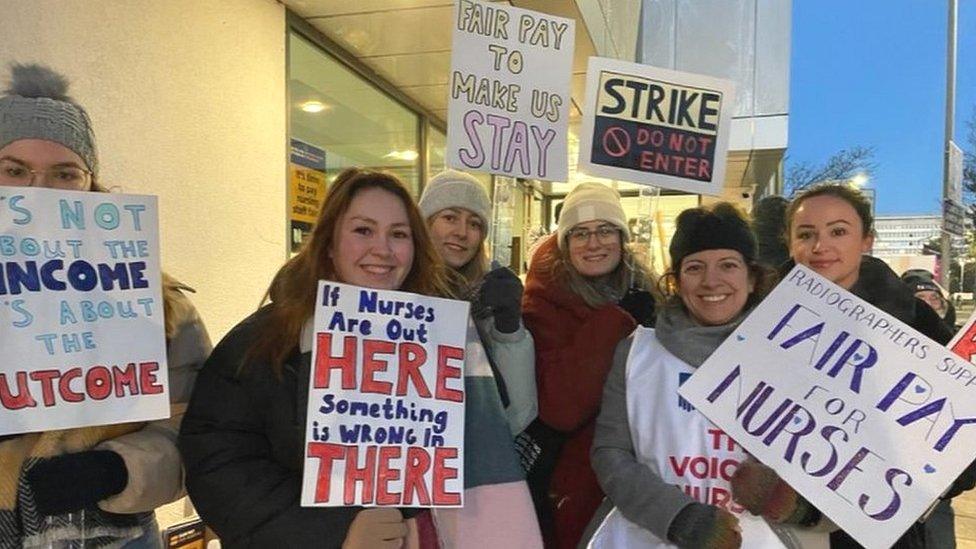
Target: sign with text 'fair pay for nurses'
(386, 400)
(862, 415)
(81, 310)
(508, 110)
(655, 126)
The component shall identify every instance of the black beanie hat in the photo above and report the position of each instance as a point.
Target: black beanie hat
(720, 227)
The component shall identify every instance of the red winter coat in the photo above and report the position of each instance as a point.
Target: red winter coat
(574, 346)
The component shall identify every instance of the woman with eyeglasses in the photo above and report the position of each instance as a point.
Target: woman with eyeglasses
(457, 210)
(91, 486)
(584, 293)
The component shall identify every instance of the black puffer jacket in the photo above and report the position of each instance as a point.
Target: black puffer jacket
(242, 440)
(880, 286)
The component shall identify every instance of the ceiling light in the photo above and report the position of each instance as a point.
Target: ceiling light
(313, 106)
(408, 155)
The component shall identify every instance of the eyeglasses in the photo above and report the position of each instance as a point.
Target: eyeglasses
(605, 234)
(16, 174)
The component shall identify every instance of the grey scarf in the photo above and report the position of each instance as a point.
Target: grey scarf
(688, 340)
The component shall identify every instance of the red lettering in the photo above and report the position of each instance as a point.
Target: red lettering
(64, 386)
(704, 169)
(720, 497)
(442, 474)
(674, 142)
(412, 357)
(147, 378)
(371, 365)
(418, 462)
(384, 474)
(646, 160)
(126, 379)
(23, 398)
(356, 474)
(327, 454)
(46, 378)
(445, 371)
(679, 469)
(691, 166)
(325, 362)
(98, 382)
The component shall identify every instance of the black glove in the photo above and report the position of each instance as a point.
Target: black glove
(501, 292)
(706, 527)
(71, 482)
(640, 305)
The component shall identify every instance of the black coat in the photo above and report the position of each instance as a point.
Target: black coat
(880, 286)
(242, 441)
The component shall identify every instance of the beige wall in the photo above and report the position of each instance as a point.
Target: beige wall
(187, 98)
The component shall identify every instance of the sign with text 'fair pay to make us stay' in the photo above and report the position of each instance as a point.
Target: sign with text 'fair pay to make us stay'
(385, 420)
(862, 415)
(508, 110)
(655, 126)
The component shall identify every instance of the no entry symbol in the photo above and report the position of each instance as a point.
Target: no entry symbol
(616, 142)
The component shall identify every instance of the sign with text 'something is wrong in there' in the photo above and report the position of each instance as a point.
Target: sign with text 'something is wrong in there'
(655, 126)
(385, 420)
(865, 417)
(508, 109)
(81, 311)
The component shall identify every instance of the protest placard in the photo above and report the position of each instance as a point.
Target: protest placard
(81, 311)
(964, 343)
(862, 415)
(655, 126)
(508, 110)
(386, 400)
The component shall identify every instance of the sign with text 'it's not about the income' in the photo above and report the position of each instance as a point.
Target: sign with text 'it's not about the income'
(655, 126)
(865, 417)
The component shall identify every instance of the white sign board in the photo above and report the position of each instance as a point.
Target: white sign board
(81, 310)
(385, 420)
(655, 126)
(865, 417)
(956, 158)
(508, 110)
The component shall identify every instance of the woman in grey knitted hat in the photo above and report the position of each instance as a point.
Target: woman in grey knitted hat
(457, 210)
(91, 486)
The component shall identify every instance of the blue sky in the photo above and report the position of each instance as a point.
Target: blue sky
(872, 73)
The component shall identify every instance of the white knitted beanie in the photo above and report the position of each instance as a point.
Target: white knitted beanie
(590, 202)
(454, 189)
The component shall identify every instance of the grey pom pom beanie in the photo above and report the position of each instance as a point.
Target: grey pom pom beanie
(454, 189)
(36, 106)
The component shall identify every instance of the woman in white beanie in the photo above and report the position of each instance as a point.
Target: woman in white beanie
(584, 293)
(457, 210)
(91, 486)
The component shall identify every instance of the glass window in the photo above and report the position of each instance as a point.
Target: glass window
(335, 113)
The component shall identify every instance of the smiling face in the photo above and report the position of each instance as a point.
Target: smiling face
(457, 234)
(714, 285)
(54, 165)
(827, 235)
(373, 244)
(595, 248)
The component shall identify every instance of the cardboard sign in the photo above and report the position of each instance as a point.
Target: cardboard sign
(386, 400)
(508, 110)
(81, 310)
(655, 127)
(865, 417)
(964, 343)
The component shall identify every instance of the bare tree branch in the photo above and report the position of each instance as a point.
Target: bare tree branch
(843, 165)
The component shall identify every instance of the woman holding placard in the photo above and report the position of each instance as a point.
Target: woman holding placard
(457, 209)
(243, 438)
(648, 440)
(91, 486)
(829, 228)
(584, 293)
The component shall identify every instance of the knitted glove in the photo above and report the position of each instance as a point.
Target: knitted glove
(760, 490)
(70, 482)
(706, 527)
(639, 304)
(501, 292)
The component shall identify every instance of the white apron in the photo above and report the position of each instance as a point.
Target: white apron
(680, 445)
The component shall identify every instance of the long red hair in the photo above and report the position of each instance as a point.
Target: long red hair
(293, 290)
